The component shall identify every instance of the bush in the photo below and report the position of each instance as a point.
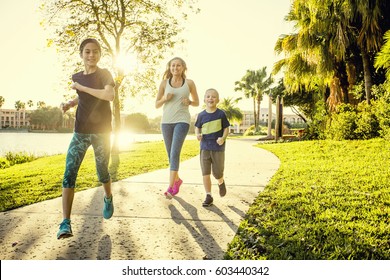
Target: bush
(251, 131)
(367, 125)
(317, 122)
(4, 163)
(381, 110)
(18, 158)
(342, 124)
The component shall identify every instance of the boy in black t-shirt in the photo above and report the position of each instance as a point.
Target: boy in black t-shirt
(212, 129)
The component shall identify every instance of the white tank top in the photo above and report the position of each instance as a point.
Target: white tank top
(174, 111)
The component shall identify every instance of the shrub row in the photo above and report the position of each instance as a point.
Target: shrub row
(15, 158)
(362, 121)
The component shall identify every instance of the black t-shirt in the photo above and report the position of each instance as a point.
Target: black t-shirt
(93, 115)
(212, 126)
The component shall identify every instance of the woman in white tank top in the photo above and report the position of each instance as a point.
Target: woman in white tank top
(175, 94)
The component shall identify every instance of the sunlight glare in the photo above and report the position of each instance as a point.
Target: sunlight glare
(127, 62)
(126, 139)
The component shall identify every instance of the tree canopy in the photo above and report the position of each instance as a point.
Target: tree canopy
(142, 31)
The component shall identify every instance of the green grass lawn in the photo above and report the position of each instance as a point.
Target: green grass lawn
(41, 179)
(328, 200)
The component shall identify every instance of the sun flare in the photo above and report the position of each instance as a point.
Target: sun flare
(127, 62)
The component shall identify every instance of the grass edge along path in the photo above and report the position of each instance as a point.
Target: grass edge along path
(41, 179)
(330, 200)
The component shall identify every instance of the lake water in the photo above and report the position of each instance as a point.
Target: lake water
(41, 144)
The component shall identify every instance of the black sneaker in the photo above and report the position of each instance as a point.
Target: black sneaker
(208, 201)
(222, 189)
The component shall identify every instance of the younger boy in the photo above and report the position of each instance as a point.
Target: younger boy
(212, 129)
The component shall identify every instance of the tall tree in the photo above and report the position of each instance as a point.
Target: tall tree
(19, 105)
(41, 104)
(30, 103)
(2, 100)
(144, 30)
(254, 84)
(315, 54)
(370, 21)
(331, 35)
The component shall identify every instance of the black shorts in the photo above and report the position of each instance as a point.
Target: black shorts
(212, 161)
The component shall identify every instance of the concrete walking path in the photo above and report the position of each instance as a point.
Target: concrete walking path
(145, 225)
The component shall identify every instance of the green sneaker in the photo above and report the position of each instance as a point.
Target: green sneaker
(65, 229)
(108, 208)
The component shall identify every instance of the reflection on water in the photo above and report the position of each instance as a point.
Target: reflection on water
(57, 143)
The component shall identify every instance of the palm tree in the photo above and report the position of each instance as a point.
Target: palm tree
(315, 54)
(253, 84)
(41, 104)
(382, 59)
(245, 86)
(2, 100)
(233, 113)
(19, 105)
(369, 20)
(30, 103)
(335, 38)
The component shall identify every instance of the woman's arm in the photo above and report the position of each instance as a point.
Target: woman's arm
(108, 93)
(194, 94)
(161, 98)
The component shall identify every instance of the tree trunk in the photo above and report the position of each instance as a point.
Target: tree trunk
(342, 76)
(117, 119)
(254, 112)
(338, 89)
(296, 112)
(367, 76)
(258, 114)
(269, 135)
(277, 120)
(116, 130)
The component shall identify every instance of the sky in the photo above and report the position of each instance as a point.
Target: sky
(223, 41)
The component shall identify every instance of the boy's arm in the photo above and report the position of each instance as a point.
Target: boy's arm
(198, 133)
(225, 134)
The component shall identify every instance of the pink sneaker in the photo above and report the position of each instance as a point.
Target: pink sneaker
(168, 194)
(176, 187)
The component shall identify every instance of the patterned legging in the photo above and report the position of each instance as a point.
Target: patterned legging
(78, 146)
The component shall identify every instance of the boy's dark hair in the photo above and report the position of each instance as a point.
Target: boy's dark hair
(89, 40)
